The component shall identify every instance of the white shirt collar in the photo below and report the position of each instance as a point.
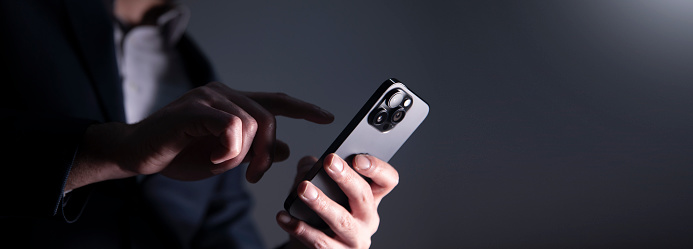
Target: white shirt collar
(172, 25)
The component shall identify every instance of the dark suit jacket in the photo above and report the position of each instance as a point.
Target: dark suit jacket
(59, 75)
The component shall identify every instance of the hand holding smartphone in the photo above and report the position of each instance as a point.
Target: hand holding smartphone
(380, 128)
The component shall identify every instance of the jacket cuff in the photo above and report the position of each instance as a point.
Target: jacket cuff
(72, 204)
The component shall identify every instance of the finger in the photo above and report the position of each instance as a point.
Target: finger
(263, 144)
(285, 105)
(337, 217)
(357, 190)
(281, 151)
(212, 121)
(304, 165)
(239, 135)
(231, 142)
(309, 236)
(383, 176)
(207, 121)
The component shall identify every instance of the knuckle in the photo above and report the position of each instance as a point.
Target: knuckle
(251, 124)
(299, 230)
(204, 94)
(214, 84)
(346, 223)
(366, 198)
(395, 179)
(345, 178)
(320, 243)
(266, 120)
(205, 89)
(234, 120)
(375, 221)
(322, 206)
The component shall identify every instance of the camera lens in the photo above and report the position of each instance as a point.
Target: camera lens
(395, 99)
(398, 115)
(380, 117)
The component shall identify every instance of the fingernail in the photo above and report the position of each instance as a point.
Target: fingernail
(323, 112)
(362, 162)
(284, 218)
(310, 193)
(217, 170)
(217, 156)
(336, 164)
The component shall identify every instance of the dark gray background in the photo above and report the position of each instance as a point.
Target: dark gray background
(552, 124)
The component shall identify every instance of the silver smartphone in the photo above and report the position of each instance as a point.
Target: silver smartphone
(380, 128)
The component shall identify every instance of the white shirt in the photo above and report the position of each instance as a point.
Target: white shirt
(152, 70)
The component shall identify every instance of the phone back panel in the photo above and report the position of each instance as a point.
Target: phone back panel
(361, 137)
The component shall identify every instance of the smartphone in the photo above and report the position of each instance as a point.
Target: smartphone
(380, 128)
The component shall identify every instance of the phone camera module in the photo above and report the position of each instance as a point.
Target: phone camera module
(390, 110)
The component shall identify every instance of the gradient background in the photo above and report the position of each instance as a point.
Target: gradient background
(553, 124)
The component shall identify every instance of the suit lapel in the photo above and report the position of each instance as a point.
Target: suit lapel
(93, 31)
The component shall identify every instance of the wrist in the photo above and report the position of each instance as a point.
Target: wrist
(96, 159)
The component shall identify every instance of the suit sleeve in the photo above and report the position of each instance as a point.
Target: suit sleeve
(38, 153)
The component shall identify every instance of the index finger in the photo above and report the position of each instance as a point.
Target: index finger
(285, 105)
(383, 176)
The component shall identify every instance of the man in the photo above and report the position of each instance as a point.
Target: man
(87, 166)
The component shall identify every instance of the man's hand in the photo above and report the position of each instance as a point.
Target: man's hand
(350, 229)
(209, 130)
